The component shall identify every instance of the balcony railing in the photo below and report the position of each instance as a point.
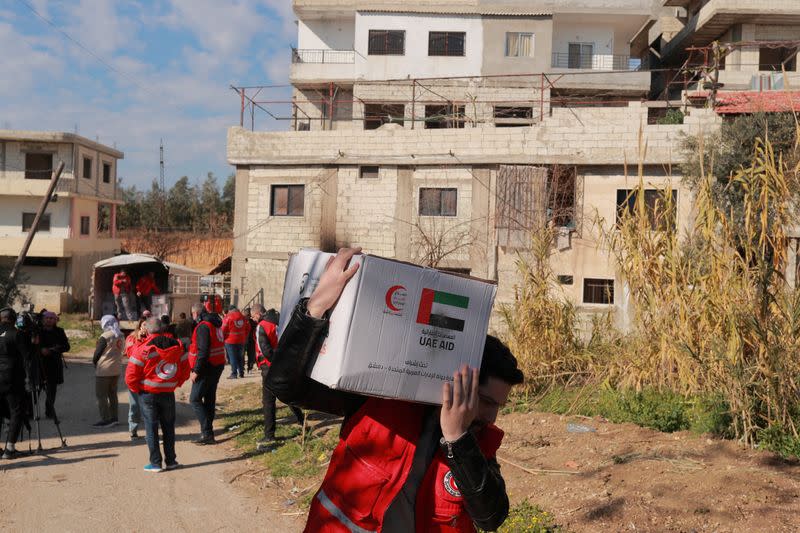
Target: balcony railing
(339, 57)
(596, 61)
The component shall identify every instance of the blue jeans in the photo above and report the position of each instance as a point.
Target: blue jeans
(134, 412)
(159, 410)
(235, 353)
(204, 398)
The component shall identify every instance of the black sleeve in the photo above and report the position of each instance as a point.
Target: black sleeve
(63, 341)
(99, 349)
(287, 378)
(203, 345)
(480, 482)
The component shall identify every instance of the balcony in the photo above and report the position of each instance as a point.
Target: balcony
(595, 62)
(66, 186)
(620, 74)
(44, 245)
(309, 65)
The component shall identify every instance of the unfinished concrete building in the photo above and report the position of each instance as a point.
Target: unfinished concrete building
(442, 133)
(79, 225)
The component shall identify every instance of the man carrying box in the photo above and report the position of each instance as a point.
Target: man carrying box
(399, 466)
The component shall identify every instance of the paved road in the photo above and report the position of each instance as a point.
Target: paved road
(97, 482)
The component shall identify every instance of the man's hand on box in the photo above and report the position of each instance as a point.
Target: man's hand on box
(332, 282)
(459, 403)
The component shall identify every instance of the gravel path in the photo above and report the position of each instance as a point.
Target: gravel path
(97, 482)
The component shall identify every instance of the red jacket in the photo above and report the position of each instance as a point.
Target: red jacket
(121, 284)
(216, 350)
(235, 328)
(147, 285)
(370, 465)
(269, 333)
(156, 370)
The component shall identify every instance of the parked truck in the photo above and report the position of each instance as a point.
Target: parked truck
(179, 286)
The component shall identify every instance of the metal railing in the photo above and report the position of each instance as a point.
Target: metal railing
(596, 61)
(323, 56)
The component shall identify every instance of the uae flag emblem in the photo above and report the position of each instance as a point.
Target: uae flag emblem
(442, 309)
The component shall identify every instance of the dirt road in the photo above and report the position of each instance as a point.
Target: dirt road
(97, 482)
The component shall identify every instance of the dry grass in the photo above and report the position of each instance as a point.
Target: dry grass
(712, 311)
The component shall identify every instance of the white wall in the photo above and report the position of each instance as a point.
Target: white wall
(601, 36)
(416, 63)
(12, 207)
(328, 34)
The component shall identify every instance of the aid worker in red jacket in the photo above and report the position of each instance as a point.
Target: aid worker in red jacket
(121, 289)
(145, 289)
(266, 339)
(235, 330)
(400, 466)
(158, 366)
(207, 360)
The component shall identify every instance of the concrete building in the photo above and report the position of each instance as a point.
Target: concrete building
(79, 225)
(441, 132)
(756, 60)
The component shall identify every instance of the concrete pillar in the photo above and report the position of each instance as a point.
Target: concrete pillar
(750, 55)
(402, 213)
(327, 231)
(479, 227)
(240, 225)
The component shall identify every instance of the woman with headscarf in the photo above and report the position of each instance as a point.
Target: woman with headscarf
(53, 344)
(132, 343)
(108, 366)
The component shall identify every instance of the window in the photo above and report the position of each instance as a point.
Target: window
(776, 59)
(580, 55)
(655, 205)
(598, 291)
(369, 172)
(376, 115)
(38, 166)
(565, 279)
(519, 44)
(444, 116)
(40, 261)
(386, 43)
(446, 43)
(85, 225)
(438, 202)
(87, 168)
(513, 117)
(27, 221)
(288, 200)
(106, 172)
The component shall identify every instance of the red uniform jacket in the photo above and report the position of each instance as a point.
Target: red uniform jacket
(156, 370)
(235, 328)
(121, 284)
(270, 332)
(216, 351)
(370, 465)
(147, 285)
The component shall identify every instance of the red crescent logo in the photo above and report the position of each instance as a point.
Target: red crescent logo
(389, 295)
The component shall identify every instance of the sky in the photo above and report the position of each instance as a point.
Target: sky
(144, 70)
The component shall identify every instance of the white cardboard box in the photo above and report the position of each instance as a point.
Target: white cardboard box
(399, 330)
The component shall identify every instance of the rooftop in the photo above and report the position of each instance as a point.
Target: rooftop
(58, 137)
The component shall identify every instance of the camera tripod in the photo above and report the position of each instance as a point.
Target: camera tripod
(35, 391)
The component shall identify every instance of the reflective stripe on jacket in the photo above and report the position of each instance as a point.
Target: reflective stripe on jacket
(269, 331)
(216, 349)
(157, 370)
(370, 465)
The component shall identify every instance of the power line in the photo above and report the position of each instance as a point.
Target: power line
(83, 47)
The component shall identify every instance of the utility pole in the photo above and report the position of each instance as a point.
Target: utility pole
(35, 226)
(161, 180)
